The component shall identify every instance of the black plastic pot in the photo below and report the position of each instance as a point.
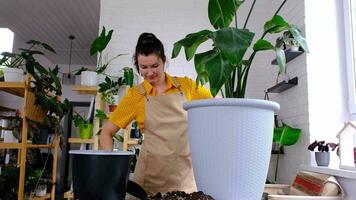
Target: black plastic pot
(100, 175)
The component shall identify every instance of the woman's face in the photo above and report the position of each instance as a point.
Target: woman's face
(151, 68)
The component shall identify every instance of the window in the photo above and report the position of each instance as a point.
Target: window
(6, 39)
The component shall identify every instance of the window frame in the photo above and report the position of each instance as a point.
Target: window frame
(350, 64)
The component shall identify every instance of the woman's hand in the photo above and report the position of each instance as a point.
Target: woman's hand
(105, 138)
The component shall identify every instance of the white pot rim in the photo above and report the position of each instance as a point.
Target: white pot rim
(11, 69)
(256, 103)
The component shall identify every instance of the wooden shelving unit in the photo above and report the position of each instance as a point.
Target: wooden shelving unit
(99, 104)
(22, 89)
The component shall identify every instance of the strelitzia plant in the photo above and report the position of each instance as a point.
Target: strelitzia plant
(226, 66)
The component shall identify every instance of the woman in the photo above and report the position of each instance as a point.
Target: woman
(164, 162)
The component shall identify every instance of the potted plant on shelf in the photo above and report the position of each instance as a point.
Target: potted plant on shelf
(113, 91)
(322, 156)
(84, 126)
(287, 42)
(89, 77)
(284, 136)
(15, 62)
(245, 125)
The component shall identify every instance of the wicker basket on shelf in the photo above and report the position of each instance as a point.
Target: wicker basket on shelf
(34, 112)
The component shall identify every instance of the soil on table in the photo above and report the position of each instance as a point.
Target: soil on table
(179, 195)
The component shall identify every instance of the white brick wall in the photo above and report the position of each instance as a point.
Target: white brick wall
(168, 20)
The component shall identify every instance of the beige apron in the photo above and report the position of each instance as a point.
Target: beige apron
(164, 163)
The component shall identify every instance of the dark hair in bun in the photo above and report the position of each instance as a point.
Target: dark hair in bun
(148, 44)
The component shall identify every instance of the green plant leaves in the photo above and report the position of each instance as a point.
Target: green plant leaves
(299, 38)
(222, 12)
(281, 60)
(275, 25)
(190, 43)
(233, 43)
(101, 42)
(262, 45)
(215, 67)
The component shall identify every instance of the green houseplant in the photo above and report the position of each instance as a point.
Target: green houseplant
(15, 62)
(84, 126)
(284, 136)
(96, 49)
(112, 90)
(245, 126)
(46, 87)
(322, 155)
(226, 65)
(287, 42)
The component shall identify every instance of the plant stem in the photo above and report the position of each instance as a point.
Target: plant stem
(242, 95)
(280, 7)
(249, 13)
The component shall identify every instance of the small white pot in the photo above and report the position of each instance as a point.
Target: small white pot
(89, 78)
(41, 191)
(13, 75)
(294, 48)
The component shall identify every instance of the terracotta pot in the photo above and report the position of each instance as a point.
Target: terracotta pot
(112, 108)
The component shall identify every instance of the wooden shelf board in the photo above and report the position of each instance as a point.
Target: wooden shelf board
(133, 141)
(85, 89)
(15, 88)
(7, 145)
(69, 195)
(81, 141)
(282, 86)
(6, 109)
(47, 196)
(40, 145)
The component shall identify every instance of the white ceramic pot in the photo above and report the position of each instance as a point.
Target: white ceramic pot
(13, 75)
(41, 191)
(88, 78)
(230, 142)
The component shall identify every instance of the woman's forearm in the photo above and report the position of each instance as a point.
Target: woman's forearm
(105, 138)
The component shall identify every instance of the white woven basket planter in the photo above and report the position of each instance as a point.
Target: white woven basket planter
(230, 142)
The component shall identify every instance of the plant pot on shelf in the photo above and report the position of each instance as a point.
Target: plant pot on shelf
(41, 190)
(13, 75)
(112, 108)
(85, 131)
(322, 158)
(241, 132)
(34, 112)
(88, 78)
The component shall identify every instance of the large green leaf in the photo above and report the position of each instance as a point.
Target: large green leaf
(300, 39)
(276, 25)
(233, 43)
(281, 60)
(222, 12)
(262, 45)
(190, 43)
(213, 65)
(101, 42)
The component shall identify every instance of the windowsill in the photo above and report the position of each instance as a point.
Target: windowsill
(332, 171)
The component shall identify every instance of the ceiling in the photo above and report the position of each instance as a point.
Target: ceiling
(52, 21)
